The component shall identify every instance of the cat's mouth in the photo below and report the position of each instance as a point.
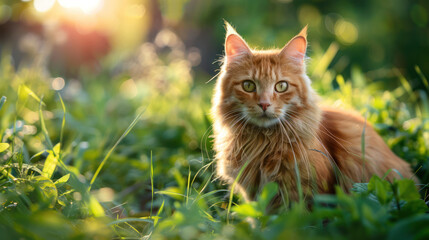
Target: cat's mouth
(264, 115)
(264, 120)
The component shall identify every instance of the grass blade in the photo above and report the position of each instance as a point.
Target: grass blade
(3, 147)
(133, 123)
(209, 194)
(159, 212)
(63, 123)
(30, 93)
(187, 187)
(327, 58)
(168, 193)
(42, 123)
(124, 220)
(232, 189)
(405, 84)
(50, 164)
(423, 77)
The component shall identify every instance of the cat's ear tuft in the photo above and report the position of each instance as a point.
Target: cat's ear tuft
(296, 48)
(229, 29)
(303, 32)
(235, 46)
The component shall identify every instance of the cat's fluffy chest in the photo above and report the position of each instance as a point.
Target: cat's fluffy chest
(271, 155)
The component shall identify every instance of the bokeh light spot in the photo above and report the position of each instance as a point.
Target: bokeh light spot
(58, 83)
(104, 194)
(128, 89)
(346, 31)
(91, 6)
(87, 6)
(194, 56)
(43, 5)
(166, 38)
(67, 3)
(77, 196)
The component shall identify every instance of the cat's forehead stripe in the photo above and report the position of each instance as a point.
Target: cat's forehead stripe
(264, 68)
(273, 73)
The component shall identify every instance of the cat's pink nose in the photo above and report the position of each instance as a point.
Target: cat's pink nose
(264, 106)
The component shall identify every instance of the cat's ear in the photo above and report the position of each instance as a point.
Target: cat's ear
(235, 46)
(295, 49)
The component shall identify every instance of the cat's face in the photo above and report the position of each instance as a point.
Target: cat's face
(264, 87)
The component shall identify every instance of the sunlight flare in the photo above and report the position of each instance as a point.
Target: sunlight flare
(43, 5)
(87, 6)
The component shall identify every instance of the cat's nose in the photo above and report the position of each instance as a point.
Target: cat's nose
(264, 105)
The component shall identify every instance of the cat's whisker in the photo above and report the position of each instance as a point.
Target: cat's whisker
(320, 142)
(327, 153)
(343, 181)
(300, 145)
(215, 76)
(282, 187)
(321, 124)
(325, 130)
(291, 148)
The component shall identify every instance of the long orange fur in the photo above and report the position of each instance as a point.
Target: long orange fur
(323, 144)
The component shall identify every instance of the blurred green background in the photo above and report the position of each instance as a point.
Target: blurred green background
(67, 173)
(375, 35)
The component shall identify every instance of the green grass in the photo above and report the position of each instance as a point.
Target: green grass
(93, 162)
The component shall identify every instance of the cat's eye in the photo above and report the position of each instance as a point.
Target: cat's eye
(281, 86)
(249, 86)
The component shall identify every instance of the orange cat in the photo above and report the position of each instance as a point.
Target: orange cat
(266, 115)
